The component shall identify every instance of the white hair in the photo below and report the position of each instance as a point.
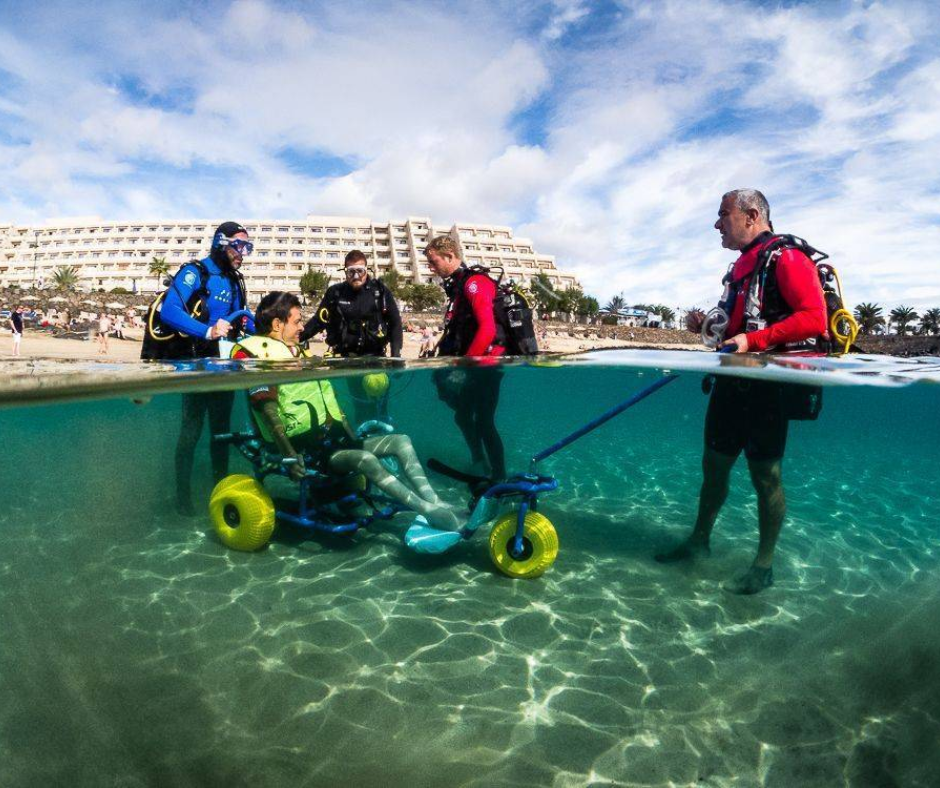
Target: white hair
(747, 199)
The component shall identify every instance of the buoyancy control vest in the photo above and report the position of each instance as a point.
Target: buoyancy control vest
(302, 406)
(348, 333)
(163, 342)
(512, 314)
(765, 306)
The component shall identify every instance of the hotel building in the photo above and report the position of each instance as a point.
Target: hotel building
(108, 255)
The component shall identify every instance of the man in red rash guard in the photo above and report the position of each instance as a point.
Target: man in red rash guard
(470, 329)
(746, 414)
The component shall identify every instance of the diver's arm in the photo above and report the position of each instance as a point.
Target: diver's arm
(393, 317)
(320, 319)
(173, 312)
(480, 291)
(268, 413)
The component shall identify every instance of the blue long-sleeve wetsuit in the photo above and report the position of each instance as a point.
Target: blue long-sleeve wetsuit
(222, 298)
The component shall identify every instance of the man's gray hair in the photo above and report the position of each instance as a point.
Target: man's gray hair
(747, 199)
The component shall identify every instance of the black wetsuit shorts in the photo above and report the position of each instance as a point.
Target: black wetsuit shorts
(747, 415)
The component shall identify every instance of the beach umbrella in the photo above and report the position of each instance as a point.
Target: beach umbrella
(29, 298)
(114, 305)
(142, 307)
(90, 302)
(57, 300)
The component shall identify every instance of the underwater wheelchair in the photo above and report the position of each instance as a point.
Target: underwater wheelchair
(243, 512)
(522, 543)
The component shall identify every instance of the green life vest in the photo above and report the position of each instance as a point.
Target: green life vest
(301, 406)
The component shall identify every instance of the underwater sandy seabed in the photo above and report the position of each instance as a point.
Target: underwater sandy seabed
(137, 650)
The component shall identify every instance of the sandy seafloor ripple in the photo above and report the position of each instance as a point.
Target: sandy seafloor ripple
(137, 651)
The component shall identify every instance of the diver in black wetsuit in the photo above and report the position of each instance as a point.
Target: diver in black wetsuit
(361, 318)
(360, 315)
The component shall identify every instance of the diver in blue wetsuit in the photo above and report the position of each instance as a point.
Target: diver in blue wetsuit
(201, 295)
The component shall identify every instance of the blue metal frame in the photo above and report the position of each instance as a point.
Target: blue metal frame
(528, 487)
(310, 515)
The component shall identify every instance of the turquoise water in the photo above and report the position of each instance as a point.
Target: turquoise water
(138, 651)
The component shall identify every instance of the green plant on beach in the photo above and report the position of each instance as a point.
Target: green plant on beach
(395, 282)
(546, 299)
(869, 318)
(159, 268)
(313, 283)
(930, 322)
(902, 317)
(615, 304)
(65, 277)
(588, 306)
(421, 298)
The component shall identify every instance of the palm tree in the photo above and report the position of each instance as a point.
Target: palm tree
(930, 322)
(869, 317)
(159, 268)
(901, 316)
(668, 315)
(313, 282)
(65, 277)
(615, 304)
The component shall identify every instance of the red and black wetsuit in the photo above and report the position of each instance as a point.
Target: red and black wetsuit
(470, 329)
(753, 415)
(799, 289)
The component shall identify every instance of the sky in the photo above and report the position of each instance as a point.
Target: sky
(604, 131)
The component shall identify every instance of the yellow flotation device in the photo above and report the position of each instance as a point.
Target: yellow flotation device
(301, 406)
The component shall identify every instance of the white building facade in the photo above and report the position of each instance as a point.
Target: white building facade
(109, 255)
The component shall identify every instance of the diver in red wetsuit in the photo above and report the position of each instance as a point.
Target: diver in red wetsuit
(787, 312)
(470, 329)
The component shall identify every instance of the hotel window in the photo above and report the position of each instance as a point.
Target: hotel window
(266, 229)
(316, 229)
(280, 254)
(283, 229)
(298, 229)
(350, 231)
(297, 254)
(332, 255)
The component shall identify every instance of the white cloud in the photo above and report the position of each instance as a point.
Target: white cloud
(832, 110)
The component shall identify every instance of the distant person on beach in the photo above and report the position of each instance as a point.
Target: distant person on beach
(751, 415)
(104, 332)
(16, 325)
(200, 297)
(427, 343)
(304, 420)
(470, 329)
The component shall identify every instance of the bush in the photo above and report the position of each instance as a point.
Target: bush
(120, 291)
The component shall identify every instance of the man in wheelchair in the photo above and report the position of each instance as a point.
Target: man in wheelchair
(306, 424)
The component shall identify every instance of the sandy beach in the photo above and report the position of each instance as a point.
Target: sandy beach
(42, 345)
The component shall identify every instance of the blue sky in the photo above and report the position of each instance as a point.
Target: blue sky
(604, 131)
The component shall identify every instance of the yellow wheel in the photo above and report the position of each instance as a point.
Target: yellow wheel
(539, 545)
(242, 512)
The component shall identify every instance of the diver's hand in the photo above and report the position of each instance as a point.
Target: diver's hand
(694, 321)
(220, 329)
(740, 340)
(297, 470)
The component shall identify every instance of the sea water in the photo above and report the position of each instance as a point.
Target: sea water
(136, 650)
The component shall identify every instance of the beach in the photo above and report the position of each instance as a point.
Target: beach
(42, 345)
